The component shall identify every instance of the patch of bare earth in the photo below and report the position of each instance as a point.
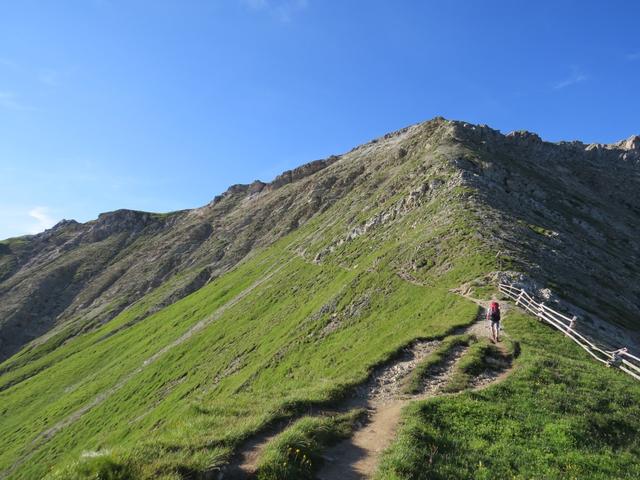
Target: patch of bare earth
(357, 457)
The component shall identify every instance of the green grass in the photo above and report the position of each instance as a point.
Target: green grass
(485, 292)
(99, 466)
(425, 368)
(540, 230)
(559, 415)
(305, 335)
(295, 454)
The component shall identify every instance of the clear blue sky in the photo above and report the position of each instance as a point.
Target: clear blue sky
(160, 105)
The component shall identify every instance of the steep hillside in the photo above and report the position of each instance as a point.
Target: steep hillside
(75, 277)
(164, 341)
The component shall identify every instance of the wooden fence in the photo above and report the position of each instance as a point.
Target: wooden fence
(619, 358)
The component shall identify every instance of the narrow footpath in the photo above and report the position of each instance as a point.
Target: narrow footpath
(357, 457)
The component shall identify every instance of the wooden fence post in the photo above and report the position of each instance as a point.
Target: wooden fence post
(540, 311)
(519, 297)
(572, 323)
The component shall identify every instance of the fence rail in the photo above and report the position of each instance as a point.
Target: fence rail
(619, 358)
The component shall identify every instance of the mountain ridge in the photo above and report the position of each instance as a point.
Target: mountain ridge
(194, 229)
(630, 145)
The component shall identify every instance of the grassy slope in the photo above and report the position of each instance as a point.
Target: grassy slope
(265, 354)
(558, 416)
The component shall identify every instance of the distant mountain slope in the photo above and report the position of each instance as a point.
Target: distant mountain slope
(79, 276)
(174, 336)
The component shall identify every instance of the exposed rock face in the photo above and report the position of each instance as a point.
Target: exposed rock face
(565, 215)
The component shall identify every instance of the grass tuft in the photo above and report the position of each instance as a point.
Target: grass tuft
(475, 360)
(295, 454)
(417, 378)
(96, 466)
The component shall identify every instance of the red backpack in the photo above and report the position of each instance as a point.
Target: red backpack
(494, 312)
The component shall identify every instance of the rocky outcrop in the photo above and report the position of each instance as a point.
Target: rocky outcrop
(285, 178)
(301, 172)
(565, 213)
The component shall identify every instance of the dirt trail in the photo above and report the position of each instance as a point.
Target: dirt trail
(251, 455)
(380, 390)
(357, 457)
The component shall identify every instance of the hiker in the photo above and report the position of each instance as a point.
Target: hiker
(493, 317)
